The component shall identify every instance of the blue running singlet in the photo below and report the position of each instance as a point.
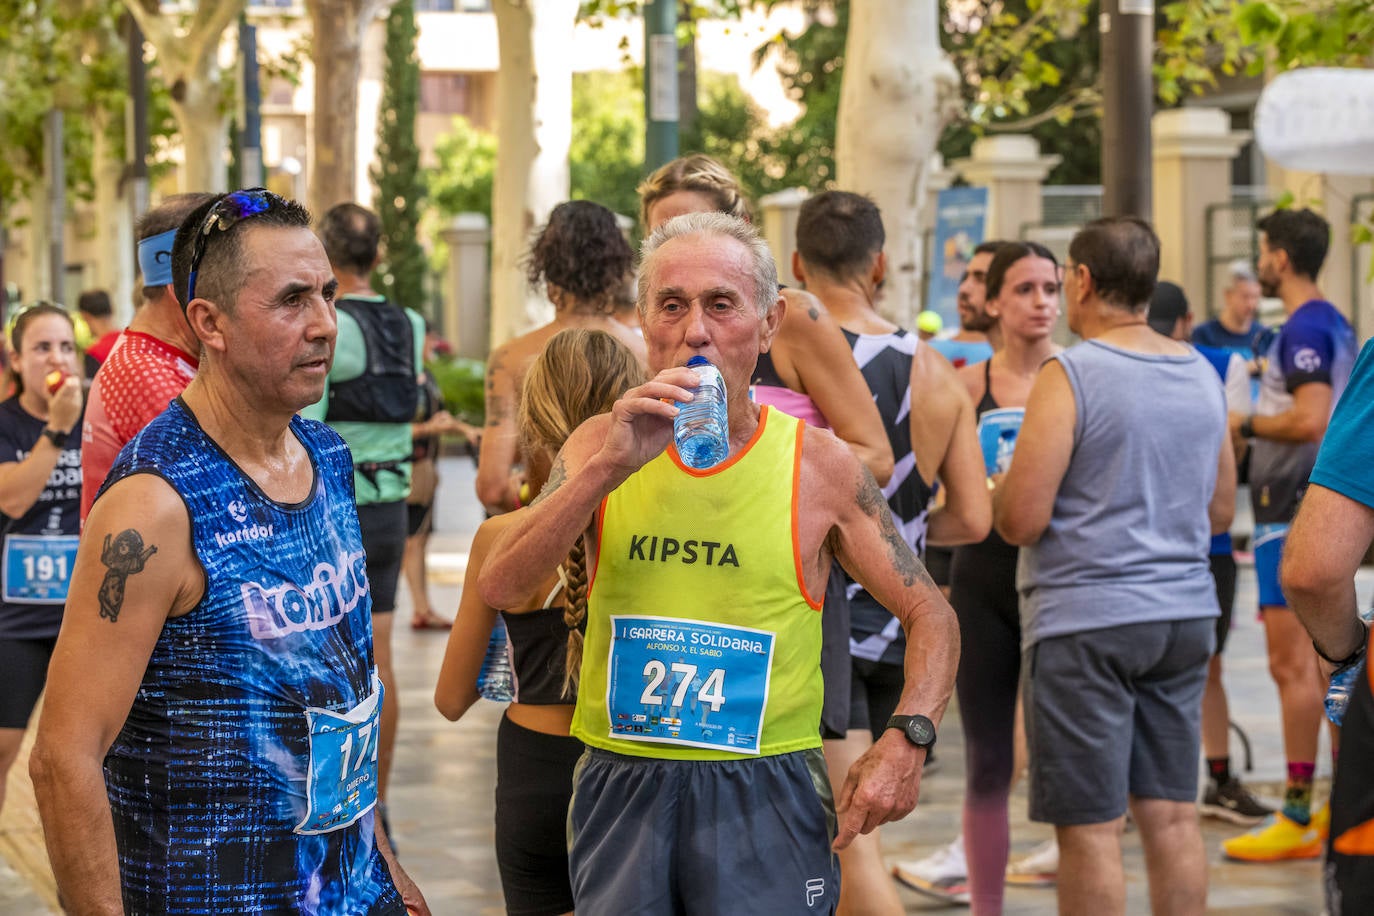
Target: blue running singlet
(245, 776)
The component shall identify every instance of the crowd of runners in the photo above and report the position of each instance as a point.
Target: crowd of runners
(725, 680)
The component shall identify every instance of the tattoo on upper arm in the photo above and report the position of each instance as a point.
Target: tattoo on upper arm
(557, 477)
(123, 555)
(500, 411)
(814, 313)
(903, 558)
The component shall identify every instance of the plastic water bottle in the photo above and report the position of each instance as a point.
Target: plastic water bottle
(496, 681)
(1343, 681)
(701, 431)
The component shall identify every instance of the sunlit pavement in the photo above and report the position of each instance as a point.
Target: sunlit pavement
(444, 776)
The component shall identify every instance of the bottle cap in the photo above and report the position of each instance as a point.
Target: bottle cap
(698, 360)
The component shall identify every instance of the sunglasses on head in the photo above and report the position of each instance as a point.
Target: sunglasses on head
(227, 212)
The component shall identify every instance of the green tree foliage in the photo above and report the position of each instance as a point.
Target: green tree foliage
(1201, 38)
(811, 67)
(1033, 68)
(56, 56)
(607, 150)
(71, 57)
(461, 182)
(400, 182)
(732, 129)
(606, 156)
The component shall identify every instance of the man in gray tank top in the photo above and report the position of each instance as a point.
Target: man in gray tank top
(1123, 471)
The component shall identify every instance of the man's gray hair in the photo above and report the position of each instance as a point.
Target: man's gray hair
(720, 224)
(1241, 272)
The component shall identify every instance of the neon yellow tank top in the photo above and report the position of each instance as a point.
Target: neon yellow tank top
(702, 643)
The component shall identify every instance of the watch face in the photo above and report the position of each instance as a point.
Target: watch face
(921, 731)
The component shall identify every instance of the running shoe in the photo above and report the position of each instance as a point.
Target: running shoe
(1321, 822)
(1276, 839)
(1039, 868)
(1231, 801)
(943, 874)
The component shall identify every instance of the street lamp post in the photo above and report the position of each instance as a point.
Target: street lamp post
(1128, 101)
(660, 83)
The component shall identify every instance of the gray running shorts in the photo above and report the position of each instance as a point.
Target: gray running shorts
(675, 837)
(1113, 713)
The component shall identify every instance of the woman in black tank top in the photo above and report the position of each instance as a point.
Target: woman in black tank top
(579, 374)
(1023, 294)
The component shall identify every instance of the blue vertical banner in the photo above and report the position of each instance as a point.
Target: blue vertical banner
(960, 215)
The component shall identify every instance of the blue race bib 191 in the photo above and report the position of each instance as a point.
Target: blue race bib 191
(38, 568)
(688, 682)
(342, 784)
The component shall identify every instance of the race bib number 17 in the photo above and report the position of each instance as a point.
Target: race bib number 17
(342, 784)
(688, 682)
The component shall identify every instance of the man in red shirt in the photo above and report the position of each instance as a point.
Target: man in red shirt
(152, 361)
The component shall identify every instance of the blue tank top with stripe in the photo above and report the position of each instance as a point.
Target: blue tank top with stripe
(211, 780)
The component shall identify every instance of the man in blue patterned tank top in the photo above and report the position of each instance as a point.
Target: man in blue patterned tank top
(209, 742)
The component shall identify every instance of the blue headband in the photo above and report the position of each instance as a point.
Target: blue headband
(155, 258)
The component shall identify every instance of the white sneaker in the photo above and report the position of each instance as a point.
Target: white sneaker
(943, 874)
(1039, 868)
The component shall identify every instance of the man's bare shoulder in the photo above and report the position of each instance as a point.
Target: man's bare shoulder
(803, 307)
(143, 518)
(146, 495)
(827, 466)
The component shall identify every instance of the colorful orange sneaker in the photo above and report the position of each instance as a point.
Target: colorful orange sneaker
(1278, 838)
(1321, 822)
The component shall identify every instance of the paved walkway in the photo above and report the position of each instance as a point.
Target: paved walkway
(441, 795)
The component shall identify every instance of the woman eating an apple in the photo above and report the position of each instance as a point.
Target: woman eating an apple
(40, 501)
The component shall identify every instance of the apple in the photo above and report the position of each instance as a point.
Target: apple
(54, 380)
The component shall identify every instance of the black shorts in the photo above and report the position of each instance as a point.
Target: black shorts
(419, 519)
(534, 773)
(384, 541)
(835, 672)
(938, 561)
(874, 690)
(1224, 574)
(1350, 848)
(23, 672)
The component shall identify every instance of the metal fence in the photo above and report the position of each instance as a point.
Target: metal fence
(1231, 236)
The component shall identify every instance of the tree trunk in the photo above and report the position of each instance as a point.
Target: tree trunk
(114, 264)
(534, 131)
(339, 27)
(897, 79)
(39, 285)
(686, 74)
(197, 105)
(187, 55)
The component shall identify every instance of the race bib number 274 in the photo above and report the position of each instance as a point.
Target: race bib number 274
(688, 682)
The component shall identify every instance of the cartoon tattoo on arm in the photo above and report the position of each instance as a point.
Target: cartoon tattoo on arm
(123, 556)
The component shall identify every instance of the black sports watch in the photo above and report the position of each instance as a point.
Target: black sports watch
(919, 730)
(56, 436)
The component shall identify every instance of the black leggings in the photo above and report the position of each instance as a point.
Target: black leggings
(983, 592)
(534, 773)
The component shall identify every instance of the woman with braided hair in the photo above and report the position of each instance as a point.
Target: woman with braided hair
(579, 374)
